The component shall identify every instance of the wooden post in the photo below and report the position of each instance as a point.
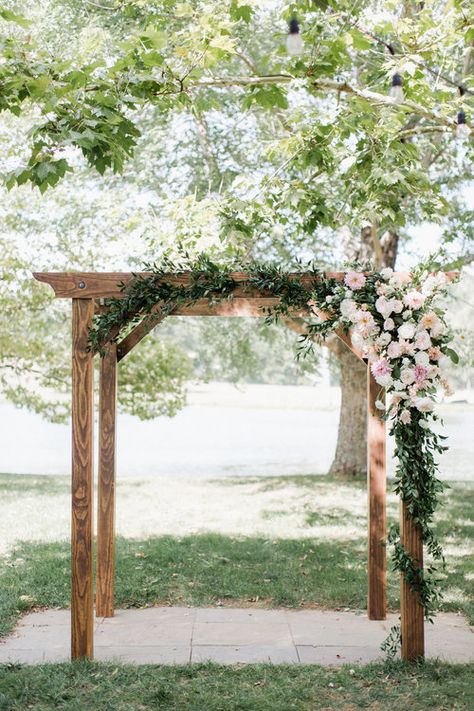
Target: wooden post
(411, 610)
(377, 487)
(106, 489)
(82, 602)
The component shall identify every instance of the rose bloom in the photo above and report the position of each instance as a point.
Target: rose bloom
(384, 339)
(354, 280)
(348, 308)
(397, 305)
(386, 381)
(382, 289)
(406, 331)
(433, 372)
(434, 353)
(414, 300)
(407, 376)
(399, 279)
(389, 324)
(405, 417)
(423, 340)
(429, 321)
(386, 273)
(398, 396)
(423, 404)
(422, 358)
(407, 348)
(394, 350)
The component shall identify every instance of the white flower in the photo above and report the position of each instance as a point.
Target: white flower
(386, 381)
(407, 375)
(398, 396)
(386, 273)
(407, 314)
(406, 331)
(423, 404)
(398, 385)
(354, 280)
(329, 299)
(438, 329)
(405, 417)
(424, 424)
(397, 306)
(399, 279)
(348, 308)
(389, 324)
(414, 300)
(422, 340)
(394, 350)
(433, 372)
(384, 339)
(382, 306)
(379, 405)
(422, 358)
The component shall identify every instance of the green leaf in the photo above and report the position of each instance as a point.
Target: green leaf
(10, 16)
(452, 354)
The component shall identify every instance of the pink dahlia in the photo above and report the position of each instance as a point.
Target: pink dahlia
(354, 280)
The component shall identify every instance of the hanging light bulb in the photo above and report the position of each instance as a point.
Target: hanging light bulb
(396, 90)
(462, 129)
(294, 43)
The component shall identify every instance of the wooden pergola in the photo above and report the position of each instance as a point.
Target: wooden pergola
(87, 291)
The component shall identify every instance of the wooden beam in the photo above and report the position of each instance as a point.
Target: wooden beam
(376, 485)
(106, 489)
(69, 285)
(82, 481)
(411, 610)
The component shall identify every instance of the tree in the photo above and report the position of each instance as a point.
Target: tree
(255, 153)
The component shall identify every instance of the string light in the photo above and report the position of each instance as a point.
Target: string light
(462, 129)
(396, 90)
(294, 43)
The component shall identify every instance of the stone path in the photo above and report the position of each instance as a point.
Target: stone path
(179, 635)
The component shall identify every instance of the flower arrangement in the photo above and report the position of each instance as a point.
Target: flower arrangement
(396, 322)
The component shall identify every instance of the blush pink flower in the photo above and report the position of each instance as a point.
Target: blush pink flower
(380, 367)
(421, 373)
(354, 280)
(405, 417)
(434, 353)
(414, 299)
(423, 340)
(394, 350)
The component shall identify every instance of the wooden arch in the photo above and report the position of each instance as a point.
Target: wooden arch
(86, 290)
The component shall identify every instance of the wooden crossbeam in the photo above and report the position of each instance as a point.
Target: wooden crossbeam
(69, 285)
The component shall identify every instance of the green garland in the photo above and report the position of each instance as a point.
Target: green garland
(417, 444)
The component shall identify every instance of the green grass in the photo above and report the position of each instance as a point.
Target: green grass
(205, 569)
(110, 687)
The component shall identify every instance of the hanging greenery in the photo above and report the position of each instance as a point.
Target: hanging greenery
(395, 321)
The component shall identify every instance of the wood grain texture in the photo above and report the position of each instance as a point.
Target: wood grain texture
(377, 491)
(82, 481)
(68, 285)
(411, 610)
(105, 570)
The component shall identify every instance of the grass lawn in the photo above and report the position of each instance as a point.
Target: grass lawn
(210, 569)
(108, 687)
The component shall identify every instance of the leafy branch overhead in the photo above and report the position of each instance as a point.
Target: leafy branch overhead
(192, 57)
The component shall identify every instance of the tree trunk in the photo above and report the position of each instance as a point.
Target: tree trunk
(350, 458)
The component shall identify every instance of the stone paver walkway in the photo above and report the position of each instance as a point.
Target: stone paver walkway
(179, 635)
